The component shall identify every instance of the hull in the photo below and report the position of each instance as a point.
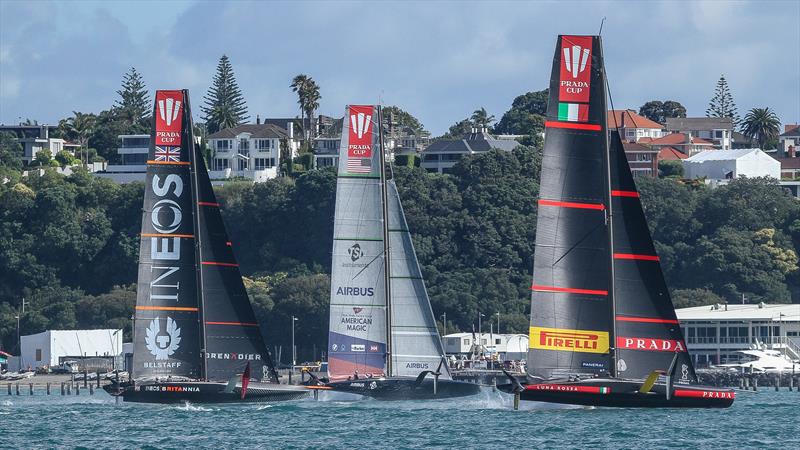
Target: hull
(404, 388)
(624, 393)
(203, 392)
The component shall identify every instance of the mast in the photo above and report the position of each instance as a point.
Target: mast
(198, 245)
(386, 257)
(610, 219)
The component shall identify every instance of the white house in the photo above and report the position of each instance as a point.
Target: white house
(52, 347)
(132, 151)
(722, 165)
(632, 126)
(718, 130)
(250, 151)
(715, 333)
(443, 154)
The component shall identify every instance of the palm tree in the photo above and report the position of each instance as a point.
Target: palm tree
(312, 103)
(762, 125)
(300, 87)
(480, 118)
(79, 127)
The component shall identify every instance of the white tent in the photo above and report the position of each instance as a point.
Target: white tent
(731, 164)
(45, 349)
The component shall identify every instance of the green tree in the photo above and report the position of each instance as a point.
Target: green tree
(458, 129)
(686, 298)
(134, 103)
(482, 119)
(722, 104)
(762, 125)
(526, 115)
(659, 111)
(43, 157)
(401, 118)
(65, 158)
(308, 97)
(79, 128)
(11, 151)
(670, 169)
(224, 105)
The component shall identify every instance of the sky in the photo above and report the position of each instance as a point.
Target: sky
(438, 60)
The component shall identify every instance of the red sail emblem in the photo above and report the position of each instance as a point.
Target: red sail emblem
(359, 145)
(169, 117)
(576, 69)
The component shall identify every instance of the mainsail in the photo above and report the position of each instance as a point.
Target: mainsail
(358, 321)
(416, 345)
(570, 308)
(600, 305)
(166, 326)
(366, 325)
(193, 316)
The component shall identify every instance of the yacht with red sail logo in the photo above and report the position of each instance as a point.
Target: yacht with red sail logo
(195, 335)
(603, 330)
(383, 341)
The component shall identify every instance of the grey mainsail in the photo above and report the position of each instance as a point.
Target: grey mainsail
(416, 345)
(357, 340)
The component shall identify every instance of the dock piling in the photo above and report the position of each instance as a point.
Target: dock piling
(69, 389)
(17, 389)
(85, 377)
(9, 388)
(755, 383)
(78, 389)
(48, 388)
(98, 378)
(30, 388)
(516, 401)
(91, 389)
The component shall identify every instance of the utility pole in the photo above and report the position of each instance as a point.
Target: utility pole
(498, 322)
(444, 323)
(294, 352)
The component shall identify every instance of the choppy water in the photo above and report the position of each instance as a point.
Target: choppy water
(765, 419)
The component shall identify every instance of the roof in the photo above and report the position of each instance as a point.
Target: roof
(761, 311)
(676, 139)
(670, 154)
(471, 143)
(634, 147)
(791, 129)
(789, 163)
(256, 131)
(628, 118)
(699, 123)
(721, 155)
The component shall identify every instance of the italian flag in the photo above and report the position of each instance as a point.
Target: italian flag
(605, 390)
(573, 112)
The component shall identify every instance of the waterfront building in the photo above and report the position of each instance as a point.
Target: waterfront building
(506, 346)
(789, 140)
(441, 155)
(717, 130)
(715, 333)
(643, 160)
(632, 126)
(35, 138)
(720, 166)
(250, 151)
(53, 347)
(132, 166)
(684, 142)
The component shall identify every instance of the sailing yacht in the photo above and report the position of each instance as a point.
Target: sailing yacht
(196, 337)
(383, 340)
(603, 330)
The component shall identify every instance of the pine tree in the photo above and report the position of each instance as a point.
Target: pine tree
(134, 105)
(224, 103)
(722, 105)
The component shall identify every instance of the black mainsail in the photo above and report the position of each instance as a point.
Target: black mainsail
(193, 316)
(603, 329)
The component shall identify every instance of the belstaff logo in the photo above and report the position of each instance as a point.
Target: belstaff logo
(585, 341)
(163, 345)
(360, 123)
(355, 252)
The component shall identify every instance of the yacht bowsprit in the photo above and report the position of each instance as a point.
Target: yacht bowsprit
(383, 340)
(603, 329)
(196, 337)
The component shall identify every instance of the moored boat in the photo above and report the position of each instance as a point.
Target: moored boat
(603, 329)
(196, 337)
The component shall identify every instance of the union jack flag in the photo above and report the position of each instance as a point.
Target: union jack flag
(168, 154)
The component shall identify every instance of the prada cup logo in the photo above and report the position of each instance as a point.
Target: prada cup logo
(163, 345)
(360, 123)
(168, 110)
(575, 59)
(355, 252)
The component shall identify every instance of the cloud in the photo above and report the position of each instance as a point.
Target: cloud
(438, 60)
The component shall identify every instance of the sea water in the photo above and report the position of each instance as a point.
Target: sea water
(764, 419)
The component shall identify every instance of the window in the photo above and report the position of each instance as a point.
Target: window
(718, 134)
(244, 144)
(466, 341)
(223, 145)
(243, 163)
(264, 163)
(136, 142)
(451, 157)
(702, 335)
(430, 157)
(263, 144)
(497, 342)
(643, 157)
(220, 164)
(38, 354)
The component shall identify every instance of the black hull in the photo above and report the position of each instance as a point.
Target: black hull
(203, 392)
(404, 388)
(624, 393)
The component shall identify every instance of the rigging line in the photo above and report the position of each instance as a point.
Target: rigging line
(576, 244)
(367, 265)
(600, 33)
